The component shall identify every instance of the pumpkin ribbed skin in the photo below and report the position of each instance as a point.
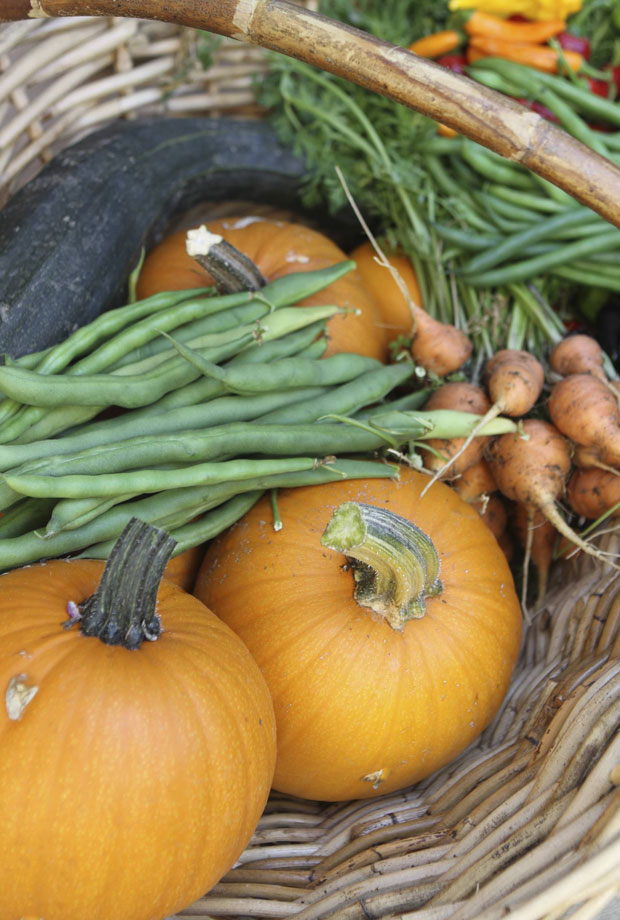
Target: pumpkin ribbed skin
(363, 709)
(133, 779)
(395, 310)
(277, 248)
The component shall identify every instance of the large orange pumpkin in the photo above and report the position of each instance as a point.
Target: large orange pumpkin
(277, 248)
(365, 706)
(130, 778)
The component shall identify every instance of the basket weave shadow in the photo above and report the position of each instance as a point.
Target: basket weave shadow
(526, 823)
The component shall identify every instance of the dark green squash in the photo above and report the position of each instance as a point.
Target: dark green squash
(71, 236)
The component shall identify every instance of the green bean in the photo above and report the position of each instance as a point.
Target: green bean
(438, 423)
(494, 168)
(288, 372)
(527, 199)
(368, 388)
(282, 292)
(209, 525)
(108, 431)
(71, 513)
(158, 349)
(152, 480)
(135, 390)
(236, 439)
(27, 514)
(62, 419)
(580, 274)
(451, 189)
(31, 547)
(509, 209)
(465, 239)
(537, 265)
(513, 245)
(580, 97)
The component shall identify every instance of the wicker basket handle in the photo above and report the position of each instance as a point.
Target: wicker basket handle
(479, 113)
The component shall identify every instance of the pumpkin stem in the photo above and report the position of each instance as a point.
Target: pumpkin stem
(230, 268)
(122, 611)
(395, 564)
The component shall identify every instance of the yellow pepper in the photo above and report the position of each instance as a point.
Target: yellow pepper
(530, 9)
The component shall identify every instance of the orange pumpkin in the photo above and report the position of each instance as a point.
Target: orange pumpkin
(277, 248)
(182, 569)
(366, 700)
(130, 778)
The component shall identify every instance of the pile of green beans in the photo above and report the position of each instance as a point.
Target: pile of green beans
(530, 235)
(217, 414)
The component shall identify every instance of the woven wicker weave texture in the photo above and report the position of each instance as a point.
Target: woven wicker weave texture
(526, 823)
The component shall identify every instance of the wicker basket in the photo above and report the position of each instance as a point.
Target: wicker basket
(526, 823)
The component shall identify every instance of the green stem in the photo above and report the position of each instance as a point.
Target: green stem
(395, 564)
(122, 611)
(231, 269)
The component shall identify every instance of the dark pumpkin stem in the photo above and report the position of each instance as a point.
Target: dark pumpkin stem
(122, 611)
(395, 564)
(230, 268)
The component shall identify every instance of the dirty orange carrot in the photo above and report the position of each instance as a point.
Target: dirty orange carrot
(578, 354)
(437, 43)
(514, 380)
(539, 57)
(539, 539)
(462, 397)
(532, 467)
(475, 482)
(586, 411)
(492, 510)
(539, 32)
(437, 347)
(592, 493)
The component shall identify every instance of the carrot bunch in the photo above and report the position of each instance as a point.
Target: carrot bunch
(566, 450)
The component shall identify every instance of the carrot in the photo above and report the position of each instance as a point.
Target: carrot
(539, 57)
(578, 354)
(437, 347)
(475, 482)
(492, 510)
(585, 458)
(481, 23)
(586, 411)
(514, 381)
(539, 538)
(592, 493)
(532, 467)
(462, 397)
(438, 43)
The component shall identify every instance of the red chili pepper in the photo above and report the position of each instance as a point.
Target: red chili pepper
(600, 87)
(570, 42)
(455, 62)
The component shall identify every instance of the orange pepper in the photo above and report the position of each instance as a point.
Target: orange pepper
(539, 57)
(432, 46)
(481, 23)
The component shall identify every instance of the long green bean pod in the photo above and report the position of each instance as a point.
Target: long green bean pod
(138, 389)
(31, 547)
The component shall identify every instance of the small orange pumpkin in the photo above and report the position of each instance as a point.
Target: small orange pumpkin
(277, 248)
(368, 701)
(131, 778)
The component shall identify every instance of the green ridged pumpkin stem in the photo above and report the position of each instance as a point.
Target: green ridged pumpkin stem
(122, 611)
(395, 564)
